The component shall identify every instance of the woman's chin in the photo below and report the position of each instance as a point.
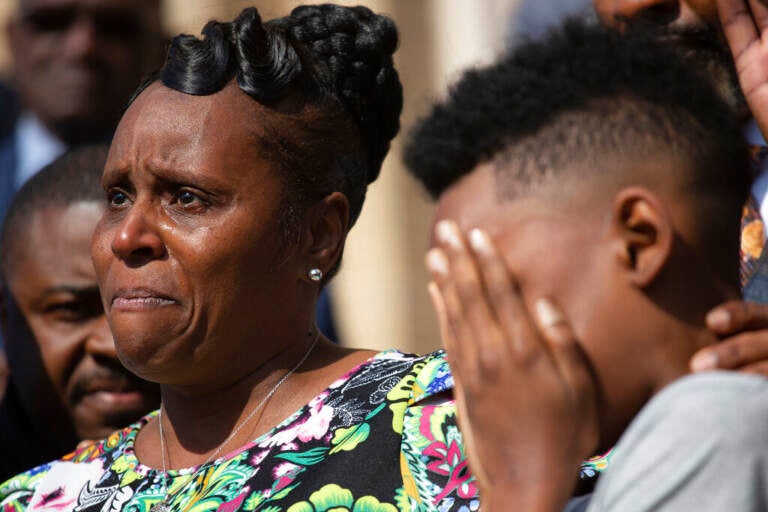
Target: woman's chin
(151, 357)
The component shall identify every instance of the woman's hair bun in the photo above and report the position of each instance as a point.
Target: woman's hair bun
(262, 61)
(268, 64)
(198, 66)
(352, 48)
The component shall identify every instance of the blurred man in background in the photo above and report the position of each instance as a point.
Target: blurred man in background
(75, 63)
(66, 383)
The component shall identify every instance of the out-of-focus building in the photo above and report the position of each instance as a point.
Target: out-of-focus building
(379, 296)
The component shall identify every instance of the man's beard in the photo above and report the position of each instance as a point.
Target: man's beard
(703, 48)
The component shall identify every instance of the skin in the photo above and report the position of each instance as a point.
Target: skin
(740, 27)
(623, 310)
(76, 62)
(200, 293)
(58, 334)
(677, 23)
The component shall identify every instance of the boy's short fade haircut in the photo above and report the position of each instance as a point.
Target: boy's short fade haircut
(73, 177)
(583, 98)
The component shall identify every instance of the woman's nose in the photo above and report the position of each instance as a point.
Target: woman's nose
(137, 240)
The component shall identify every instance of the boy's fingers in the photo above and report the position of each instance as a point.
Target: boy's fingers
(738, 25)
(467, 280)
(506, 302)
(737, 316)
(733, 353)
(759, 10)
(451, 314)
(566, 351)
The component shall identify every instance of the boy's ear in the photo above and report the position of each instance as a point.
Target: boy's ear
(644, 234)
(325, 232)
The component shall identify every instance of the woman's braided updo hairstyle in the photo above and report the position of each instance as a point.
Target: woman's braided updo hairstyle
(332, 63)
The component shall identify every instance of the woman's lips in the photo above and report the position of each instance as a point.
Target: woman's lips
(138, 299)
(139, 303)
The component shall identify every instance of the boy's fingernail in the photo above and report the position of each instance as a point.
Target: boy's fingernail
(719, 319)
(437, 262)
(704, 361)
(448, 232)
(548, 314)
(480, 241)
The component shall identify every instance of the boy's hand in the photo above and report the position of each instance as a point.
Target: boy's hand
(745, 25)
(525, 395)
(744, 325)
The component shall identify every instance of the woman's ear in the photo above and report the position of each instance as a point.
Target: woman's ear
(326, 232)
(644, 234)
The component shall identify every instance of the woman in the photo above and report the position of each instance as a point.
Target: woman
(232, 181)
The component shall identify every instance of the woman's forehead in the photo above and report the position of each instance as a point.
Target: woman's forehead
(167, 125)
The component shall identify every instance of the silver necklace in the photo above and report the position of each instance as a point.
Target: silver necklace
(165, 504)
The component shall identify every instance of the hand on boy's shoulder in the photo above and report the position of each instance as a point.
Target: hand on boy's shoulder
(743, 328)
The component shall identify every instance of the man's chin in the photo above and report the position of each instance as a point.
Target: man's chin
(99, 414)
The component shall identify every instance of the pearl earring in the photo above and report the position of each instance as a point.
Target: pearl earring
(315, 275)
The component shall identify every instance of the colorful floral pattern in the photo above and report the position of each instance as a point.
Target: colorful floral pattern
(382, 438)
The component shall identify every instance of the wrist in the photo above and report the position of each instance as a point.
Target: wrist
(506, 499)
(549, 495)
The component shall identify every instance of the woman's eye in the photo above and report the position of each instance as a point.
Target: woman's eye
(186, 197)
(117, 198)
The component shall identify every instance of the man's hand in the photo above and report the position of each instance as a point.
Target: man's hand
(745, 25)
(525, 396)
(744, 327)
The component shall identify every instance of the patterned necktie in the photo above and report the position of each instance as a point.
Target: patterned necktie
(752, 227)
(752, 239)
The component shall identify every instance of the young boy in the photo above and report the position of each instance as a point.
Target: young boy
(590, 189)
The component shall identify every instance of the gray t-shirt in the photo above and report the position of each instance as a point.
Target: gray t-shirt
(700, 445)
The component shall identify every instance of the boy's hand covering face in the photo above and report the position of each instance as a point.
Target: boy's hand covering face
(526, 397)
(744, 329)
(745, 25)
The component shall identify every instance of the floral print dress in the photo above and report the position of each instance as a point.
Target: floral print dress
(383, 438)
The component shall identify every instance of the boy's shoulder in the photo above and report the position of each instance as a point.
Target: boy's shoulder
(699, 444)
(722, 402)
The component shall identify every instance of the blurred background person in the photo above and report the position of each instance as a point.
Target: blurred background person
(533, 18)
(693, 28)
(66, 383)
(74, 64)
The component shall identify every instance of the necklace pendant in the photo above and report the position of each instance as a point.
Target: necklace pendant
(160, 506)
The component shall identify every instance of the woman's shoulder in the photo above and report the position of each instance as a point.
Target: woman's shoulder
(417, 377)
(61, 480)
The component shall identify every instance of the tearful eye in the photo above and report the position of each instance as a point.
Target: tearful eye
(186, 197)
(117, 198)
